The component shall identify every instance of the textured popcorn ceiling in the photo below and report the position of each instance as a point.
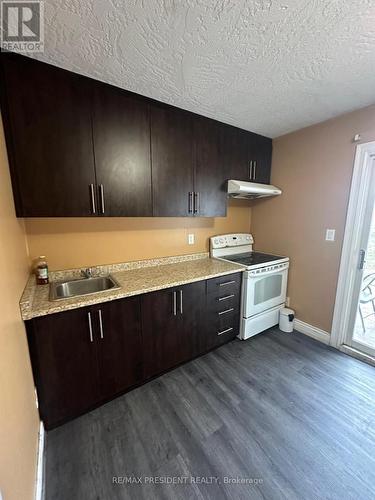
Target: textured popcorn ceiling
(267, 66)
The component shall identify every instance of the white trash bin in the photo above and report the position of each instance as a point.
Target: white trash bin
(286, 322)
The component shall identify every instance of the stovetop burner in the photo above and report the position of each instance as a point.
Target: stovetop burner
(252, 258)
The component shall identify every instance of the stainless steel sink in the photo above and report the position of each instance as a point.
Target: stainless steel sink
(73, 288)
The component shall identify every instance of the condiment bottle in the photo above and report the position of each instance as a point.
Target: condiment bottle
(41, 271)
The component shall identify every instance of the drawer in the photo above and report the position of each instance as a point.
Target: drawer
(225, 328)
(226, 301)
(224, 285)
(226, 334)
(227, 322)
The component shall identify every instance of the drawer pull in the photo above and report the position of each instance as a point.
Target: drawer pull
(226, 297)
(227, 283)
(226, 311)
(225, 331)
(174, 303)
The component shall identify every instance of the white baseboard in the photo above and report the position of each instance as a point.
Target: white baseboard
(312, 331)
(39, 490)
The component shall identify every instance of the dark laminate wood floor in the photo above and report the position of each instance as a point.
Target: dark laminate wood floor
(279, 408)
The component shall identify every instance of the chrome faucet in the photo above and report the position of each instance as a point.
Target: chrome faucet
(87, 273)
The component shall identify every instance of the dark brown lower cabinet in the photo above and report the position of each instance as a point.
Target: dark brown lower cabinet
(118, 324)
(222, 310)
(84, 357)
(64, 365)
(172, 322)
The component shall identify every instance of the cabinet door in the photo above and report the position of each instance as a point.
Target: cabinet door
(192, 308)
(121, 129)
(172, 161)
(164, 342)
(48, 129)
(261, 154)
(118, 327)
(235, 153)
(64, 358)
(209, 182)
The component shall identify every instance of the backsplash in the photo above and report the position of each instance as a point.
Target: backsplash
(70, 243)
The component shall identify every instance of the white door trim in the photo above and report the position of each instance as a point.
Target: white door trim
(357, 204)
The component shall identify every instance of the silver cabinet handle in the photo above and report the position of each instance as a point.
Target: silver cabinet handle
(226, 297)
(175, 303)
(251, 169)
(227, 283)
(362, 255)
(90, 327)
(190, 207)
(101, 189)
(226, 311)
(101, 324)
(181, 310)
(92, 196)
(196, 203)
(255, 170)
(225, 331)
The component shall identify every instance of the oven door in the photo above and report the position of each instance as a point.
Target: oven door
(263, 291)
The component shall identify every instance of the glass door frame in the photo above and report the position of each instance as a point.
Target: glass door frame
(364, 240)
(350, 276)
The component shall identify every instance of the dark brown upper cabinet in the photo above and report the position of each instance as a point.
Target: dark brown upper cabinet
(188, 171)
(121, 132)
(78, 147)
(172, 156)
(246, 156)
(210, 196)
(235, 153)
(261, 159)
(47, 120)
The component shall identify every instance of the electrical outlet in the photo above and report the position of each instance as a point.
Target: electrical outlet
(330, 234)
(191, 239)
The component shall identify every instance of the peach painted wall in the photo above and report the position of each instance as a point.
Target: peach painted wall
(19, 422)
(313, 166)
(79, 242)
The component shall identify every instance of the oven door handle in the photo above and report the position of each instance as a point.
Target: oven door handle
(268, 273)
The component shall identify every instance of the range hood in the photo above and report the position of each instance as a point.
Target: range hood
(250, 190)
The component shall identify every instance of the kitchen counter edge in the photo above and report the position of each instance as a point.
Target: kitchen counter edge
(134, 281)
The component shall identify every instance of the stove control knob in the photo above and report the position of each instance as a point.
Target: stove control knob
(221, 241)
(216, 241)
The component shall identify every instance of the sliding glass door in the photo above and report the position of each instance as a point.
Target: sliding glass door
(361, 331)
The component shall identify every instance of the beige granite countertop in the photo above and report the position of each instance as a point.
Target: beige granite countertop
(134, 278)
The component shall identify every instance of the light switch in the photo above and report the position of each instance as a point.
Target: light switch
(330, 234)
(191, 239)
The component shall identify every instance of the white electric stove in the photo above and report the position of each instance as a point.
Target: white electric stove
(264, 281)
